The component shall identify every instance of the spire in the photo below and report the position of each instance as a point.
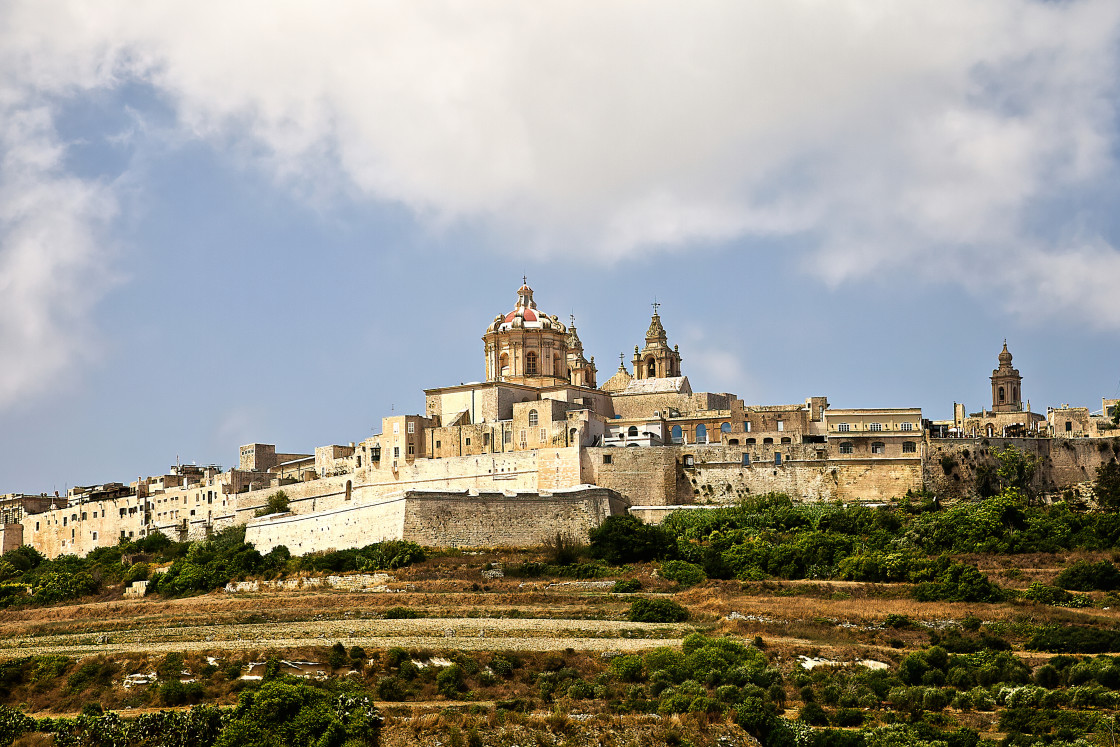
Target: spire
(1004, 356)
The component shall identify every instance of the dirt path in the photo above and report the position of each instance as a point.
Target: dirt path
(468, 634)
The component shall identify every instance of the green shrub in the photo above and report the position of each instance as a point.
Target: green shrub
(450, 681)
(277, 503)
(1086, 576)
(625, 539)
(813, 714)
(402, 613)
(626, 586)
(684, 573)
(1074, 639)
(1054, 596)
(656, 611)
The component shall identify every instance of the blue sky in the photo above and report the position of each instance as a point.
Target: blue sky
(223, 223)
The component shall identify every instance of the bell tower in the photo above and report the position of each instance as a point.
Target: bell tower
(1006, 385)
(656, 360)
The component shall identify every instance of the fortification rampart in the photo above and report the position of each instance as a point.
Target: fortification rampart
(441, 519)
(956, 467)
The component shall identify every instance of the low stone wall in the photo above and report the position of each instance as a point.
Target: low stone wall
(352, 582)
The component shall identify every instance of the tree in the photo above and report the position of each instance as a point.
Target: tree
(1016, 468)
(1107, 485)
(277, 504)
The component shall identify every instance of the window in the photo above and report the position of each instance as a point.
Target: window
(438, 445)
(906, 427)
(877, 447)
(507, 437)
(676, 434)
(846, 447)
(485, 439)
(909, 447)
(606, 459)
(875, 427)
(767, 440)
(746, 426)
(632, 431)
(396, 427)
(530, 364)
(689, 460)
(84, 516)
(777, 459)
(725, 427)
(412, 426)
(843, 427)
(701, 433)
(746, 459)
(468, 441)
(651, 368)
(787, 440)
(359, 461)
(732, 442)
(781, 425)
(411, 449)
(524, 439)
(36, 526)
(1001, 394)
(750, 442)
(396, 451)
(95, 536)
(1069, 428)
(533, 419)
(544, 434)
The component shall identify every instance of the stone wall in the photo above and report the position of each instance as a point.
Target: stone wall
(441, 519)
(952, 464)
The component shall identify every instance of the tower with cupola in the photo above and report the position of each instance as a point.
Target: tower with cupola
(1006, 385)
(527, 346)
(656, 360)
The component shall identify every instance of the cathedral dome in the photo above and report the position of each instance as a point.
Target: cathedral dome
(526, 315)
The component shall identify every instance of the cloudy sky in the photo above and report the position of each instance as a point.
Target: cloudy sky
(275, 221)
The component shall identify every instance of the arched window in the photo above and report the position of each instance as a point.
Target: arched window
(349, 487)
(767, 440)
(732, 442)
(632, 431)
(1001, 394)
(846, 447)
(503, 364)
(725, 428)
(991, 430)
(909, 447)
(573, 435)
(651, 368)
(530, 364)
(750, 442)
(676, 434)
(532, 418)
(701, 433)
(787, 440)
(877, 447)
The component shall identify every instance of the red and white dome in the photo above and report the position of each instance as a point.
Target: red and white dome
(526, 315)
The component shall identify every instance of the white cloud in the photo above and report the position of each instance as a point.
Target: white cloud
(902, 135)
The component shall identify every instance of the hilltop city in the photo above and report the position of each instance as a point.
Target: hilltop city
(541, 448)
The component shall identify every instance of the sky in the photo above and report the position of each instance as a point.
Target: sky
(225, 223)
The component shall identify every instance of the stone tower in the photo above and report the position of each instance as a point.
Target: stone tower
(581, 372)
(656, 360)
(1006, 385)
(527, 346)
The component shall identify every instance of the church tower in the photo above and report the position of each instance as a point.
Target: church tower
(581, 372)
(527, 346)
(656, 360)
(1006, 383)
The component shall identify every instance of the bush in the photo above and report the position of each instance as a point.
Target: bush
(656, 611)
(450, 681)
(1086, 576)
(626, 586)
(403, 613)
(1052, 595)
(625, 539)
(813, 714)
(1074, 639)
(683, 572)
